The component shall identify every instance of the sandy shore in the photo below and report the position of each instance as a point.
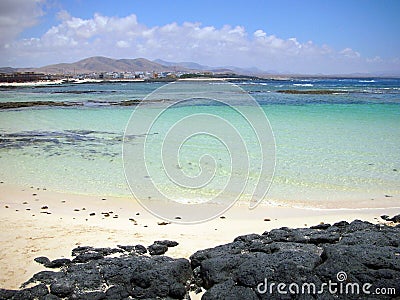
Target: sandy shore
(36, 222)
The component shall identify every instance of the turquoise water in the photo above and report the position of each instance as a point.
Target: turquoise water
(338, 150)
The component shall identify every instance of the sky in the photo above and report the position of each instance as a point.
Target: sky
(285, 36)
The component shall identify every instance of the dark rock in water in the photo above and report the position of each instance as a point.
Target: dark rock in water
(311, 92)
(157, 249)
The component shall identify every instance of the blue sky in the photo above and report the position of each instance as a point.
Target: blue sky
(284, 36)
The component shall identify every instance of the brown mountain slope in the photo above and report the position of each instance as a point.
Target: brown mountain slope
(103, 64)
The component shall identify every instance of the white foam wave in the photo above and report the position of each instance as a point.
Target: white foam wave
(303, 84)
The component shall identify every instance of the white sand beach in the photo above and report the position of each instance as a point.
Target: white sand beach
(29, 229)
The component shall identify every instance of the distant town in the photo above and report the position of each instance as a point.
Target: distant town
(106, 69)
(20, 77)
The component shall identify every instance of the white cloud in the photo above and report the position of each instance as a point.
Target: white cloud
(75, 38)
(259, 34)
(376, 59)
(122, 44)
(350, 53)
(16, 16)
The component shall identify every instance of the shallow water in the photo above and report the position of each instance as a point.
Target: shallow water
(336, 150)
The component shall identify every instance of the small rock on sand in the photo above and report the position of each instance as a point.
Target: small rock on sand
(163, 223)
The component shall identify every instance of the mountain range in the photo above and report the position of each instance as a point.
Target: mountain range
(99, 64)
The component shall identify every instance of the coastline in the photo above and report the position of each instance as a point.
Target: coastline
(37, 222)
(88, 80)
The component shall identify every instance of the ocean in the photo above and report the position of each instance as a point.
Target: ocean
(337, 148)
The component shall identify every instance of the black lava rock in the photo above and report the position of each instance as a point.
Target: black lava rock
(343, 253)
(395, 219)
(137, 249)
(62, 288)
(57, 263)
(356, 253)
(157, 249)
(92, 275)
(42, 260)
(167, 243)
(87, 256)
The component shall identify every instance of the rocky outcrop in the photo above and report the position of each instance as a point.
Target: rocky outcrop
(349, 256)
(341, 261)
(94, 274)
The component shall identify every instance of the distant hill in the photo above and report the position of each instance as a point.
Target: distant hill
(186, 64)
(8, 70)
(104, 64)
(98, 64)
(223, 69)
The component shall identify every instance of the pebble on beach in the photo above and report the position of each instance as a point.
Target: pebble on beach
(163, 223)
